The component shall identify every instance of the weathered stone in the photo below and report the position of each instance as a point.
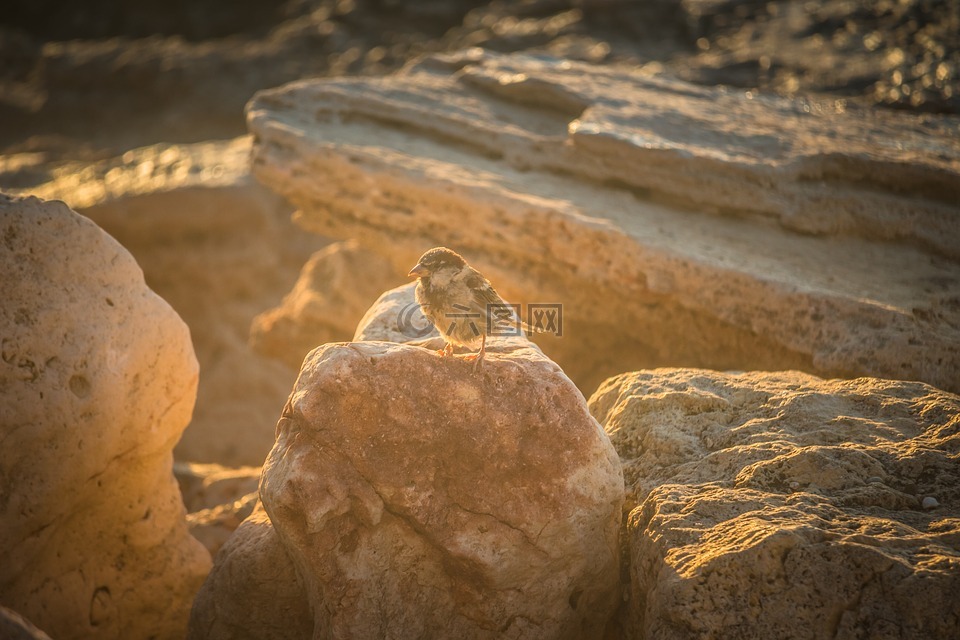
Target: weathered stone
(677, 224)
(780, 505)
(98, 379)
(429, 501)
(335, 288)
(396, 317)
(220, 249)
(253, 592)
(419, 498)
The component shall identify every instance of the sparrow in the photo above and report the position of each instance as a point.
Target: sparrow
(459, 302)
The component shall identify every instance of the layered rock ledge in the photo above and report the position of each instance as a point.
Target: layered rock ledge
(677, 224)
(781, 505)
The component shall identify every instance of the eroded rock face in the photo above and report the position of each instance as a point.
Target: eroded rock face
(98, 380)
(783, 505)
(677, 224)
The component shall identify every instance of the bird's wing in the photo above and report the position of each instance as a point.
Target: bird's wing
(484, 295)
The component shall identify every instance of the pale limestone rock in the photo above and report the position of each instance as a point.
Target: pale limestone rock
(676, 223)
(98, 379)
(418, 498)
(780, 505)
(396, 317)
(335, 288)
(220, 249)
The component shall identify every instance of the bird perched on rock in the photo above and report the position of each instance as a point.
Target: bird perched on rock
(460, 302)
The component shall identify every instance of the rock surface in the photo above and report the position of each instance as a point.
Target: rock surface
(205, 486)
(213, 526)
(676, 224)
(783, 505)
(418, 498)
(253, 592)
(13, 626)
(98, 379)
(219, 248)
(217, 499)
(335, 288)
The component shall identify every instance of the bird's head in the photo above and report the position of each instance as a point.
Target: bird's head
(437, 260)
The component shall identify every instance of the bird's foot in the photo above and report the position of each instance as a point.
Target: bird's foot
(476, 359)
(446, 351)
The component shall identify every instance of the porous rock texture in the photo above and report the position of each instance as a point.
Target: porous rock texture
(677, 224)
(98, 379)
(418, 498)
(214, 244)
(781, 505)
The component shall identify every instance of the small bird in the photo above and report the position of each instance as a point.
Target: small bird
(460, 302)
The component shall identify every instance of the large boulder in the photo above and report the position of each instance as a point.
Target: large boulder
(219, 248)
(677, 224)
(417, 497)
(780, 505)
(98, 380)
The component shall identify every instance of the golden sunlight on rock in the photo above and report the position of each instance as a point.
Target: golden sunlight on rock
(778, 501)
(301, 302)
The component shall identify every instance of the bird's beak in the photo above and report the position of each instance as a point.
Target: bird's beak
(418, 271)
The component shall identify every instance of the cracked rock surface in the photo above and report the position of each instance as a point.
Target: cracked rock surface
(781, 505)
(419, 498)
(98, 379)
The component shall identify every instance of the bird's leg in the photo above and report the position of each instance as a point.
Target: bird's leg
(446, 351)
(477, 358)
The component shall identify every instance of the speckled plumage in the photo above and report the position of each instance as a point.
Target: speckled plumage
(457, 299)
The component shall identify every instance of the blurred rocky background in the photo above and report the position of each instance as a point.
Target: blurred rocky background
(101, 74)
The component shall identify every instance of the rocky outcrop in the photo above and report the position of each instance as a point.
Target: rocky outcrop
(677, 224)
(783, 505)
(98, 379)
(335, 288)
(219, 248)
(418, 496)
